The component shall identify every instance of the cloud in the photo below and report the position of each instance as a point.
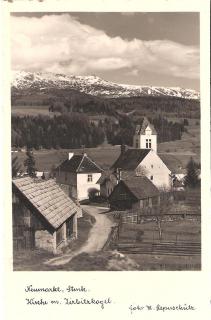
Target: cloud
(60, 43)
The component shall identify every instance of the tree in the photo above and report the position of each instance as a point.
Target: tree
(192, 177)
(29, 163)
(93, 193)
(15, 166)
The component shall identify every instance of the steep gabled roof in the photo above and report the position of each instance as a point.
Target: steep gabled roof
(107, 176)
(48, 198)
(79, 164)
(140, 129)
(140, 187)
(130, 159)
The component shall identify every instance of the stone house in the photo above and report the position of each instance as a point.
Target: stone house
(43, 215)
(78, 176)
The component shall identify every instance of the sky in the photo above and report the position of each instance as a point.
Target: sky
(158, 49)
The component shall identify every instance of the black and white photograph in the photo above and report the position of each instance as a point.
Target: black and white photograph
(105, 141)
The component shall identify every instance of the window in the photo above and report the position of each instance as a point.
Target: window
(151, 178)
(148, 143)
(69, 227)
(89, 178)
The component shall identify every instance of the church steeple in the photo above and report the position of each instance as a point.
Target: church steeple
(145, 136)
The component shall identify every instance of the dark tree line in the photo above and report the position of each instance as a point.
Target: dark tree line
(64, 131)
(72, 130)
(192, 179)
(124, 132)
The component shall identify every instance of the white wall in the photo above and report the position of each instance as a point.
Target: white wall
(153, 138)
(141, 139)
(83, 185)
(153, 166)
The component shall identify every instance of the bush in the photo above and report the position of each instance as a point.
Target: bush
(93, 193)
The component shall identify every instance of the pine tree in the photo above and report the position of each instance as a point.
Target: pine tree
(29, 163)
(15, 166)
(192, 179)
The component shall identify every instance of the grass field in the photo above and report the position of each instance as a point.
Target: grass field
(32, 111)
(45, 159)
(178, 230)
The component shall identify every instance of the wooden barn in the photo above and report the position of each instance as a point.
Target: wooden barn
(43, 215)
(135, 193)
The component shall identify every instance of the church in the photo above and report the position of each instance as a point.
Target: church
(141, 160)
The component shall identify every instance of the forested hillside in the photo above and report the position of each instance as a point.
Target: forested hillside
(73, 130)
(66, 100)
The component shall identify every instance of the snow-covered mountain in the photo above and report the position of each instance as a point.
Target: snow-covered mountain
(93, 85)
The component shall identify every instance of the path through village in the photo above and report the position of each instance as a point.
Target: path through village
(98, 236)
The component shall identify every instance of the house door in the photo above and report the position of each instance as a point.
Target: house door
(70, 227)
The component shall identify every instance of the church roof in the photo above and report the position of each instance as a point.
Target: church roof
(130, 159)
(140, 129)
(80, 163)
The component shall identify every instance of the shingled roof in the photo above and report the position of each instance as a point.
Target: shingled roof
(140, 187)
(140, 129)
(80, 163)
(48, 198)
(130, 159)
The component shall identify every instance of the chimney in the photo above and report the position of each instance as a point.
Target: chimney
(70, 155)
(123, 148)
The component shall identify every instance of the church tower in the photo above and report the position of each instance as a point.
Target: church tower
(145, 136)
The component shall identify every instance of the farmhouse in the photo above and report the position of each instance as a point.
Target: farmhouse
(136, 193)
(78, 176)
(43, 215)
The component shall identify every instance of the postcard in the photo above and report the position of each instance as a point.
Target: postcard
(106, 159)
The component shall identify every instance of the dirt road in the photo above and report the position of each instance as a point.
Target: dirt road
(97, 236)
(100, 231)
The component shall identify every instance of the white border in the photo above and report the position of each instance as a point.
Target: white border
(124, 287)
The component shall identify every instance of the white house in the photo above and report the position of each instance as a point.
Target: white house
(78, 176)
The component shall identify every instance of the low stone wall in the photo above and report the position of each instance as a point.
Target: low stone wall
(44, 240)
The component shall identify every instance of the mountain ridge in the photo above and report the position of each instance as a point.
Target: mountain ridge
(93, 85)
